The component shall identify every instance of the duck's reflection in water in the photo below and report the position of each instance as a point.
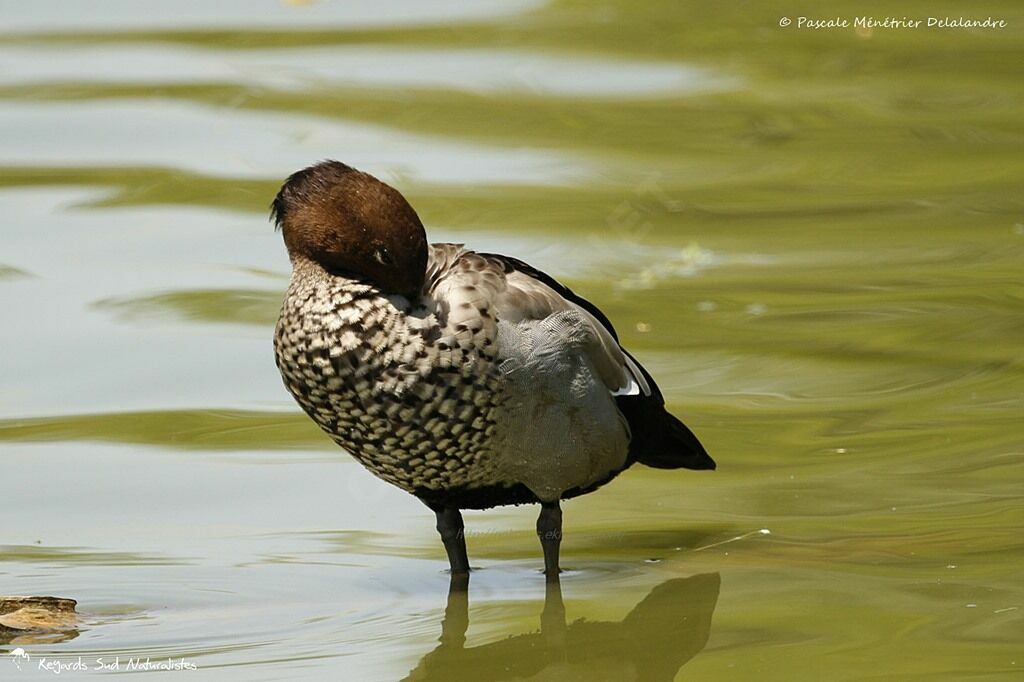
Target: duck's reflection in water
(664, 631)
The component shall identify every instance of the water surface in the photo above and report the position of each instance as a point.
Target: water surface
(814, 240)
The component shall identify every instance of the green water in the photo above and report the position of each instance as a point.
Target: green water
(814, 240)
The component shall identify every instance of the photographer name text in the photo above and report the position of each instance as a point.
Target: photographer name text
(865, 22)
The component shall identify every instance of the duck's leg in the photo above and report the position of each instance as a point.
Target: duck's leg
(549, 530)
(453, 535)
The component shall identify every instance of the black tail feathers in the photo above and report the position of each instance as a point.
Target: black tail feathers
(661, 441)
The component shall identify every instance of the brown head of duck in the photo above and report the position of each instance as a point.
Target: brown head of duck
(352, 224)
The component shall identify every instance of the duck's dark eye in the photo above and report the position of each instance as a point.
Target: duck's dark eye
(383, 257)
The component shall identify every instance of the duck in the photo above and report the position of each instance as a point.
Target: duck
(468, 379)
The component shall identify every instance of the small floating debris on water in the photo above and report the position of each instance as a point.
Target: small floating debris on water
(757, 309)
(761, 531)
(684, 263)
(36, 615)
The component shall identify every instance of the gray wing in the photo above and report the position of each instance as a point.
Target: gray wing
(477, 290)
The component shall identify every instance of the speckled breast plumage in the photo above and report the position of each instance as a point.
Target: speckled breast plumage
(408, 391)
